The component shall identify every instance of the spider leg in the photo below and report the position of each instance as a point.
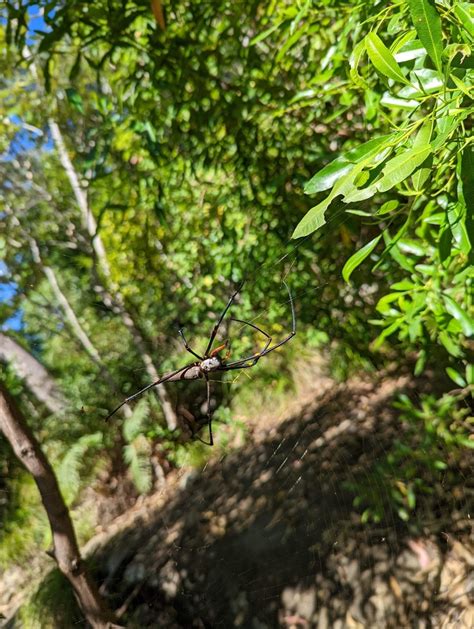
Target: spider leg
(186, 344)
(138, 393)
(242, 364)
(255, 360)
(252, 325)
(216, 327)
(209, 416)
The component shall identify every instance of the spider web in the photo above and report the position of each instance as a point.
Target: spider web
(268, 535)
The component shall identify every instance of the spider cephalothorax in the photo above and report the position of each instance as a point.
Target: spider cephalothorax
(211, 361)
(210, 364)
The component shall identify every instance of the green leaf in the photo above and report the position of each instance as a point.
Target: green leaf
(446, 125)
(411, 497)
(421, 176)
(134, 425)
(464, 12)
(444, 244)
(358, 257)
(403, 514)
(401, 166)
(467, 90)
(388, 207)
(455, 376)
(467, 179)
(427, 23)
(137, 455)
(466, 322)
(264, 34)
(344, 187)
(403, 285)
(312, 221)
(327, 177)
(470, 373)
(420, 363)
(423, 136)
(451, 347)
(75, 99)
(382, 59)
(427, 80)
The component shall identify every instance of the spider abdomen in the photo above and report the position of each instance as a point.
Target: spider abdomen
(210, 364)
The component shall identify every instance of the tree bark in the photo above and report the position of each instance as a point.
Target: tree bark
(32, 372)
(73, 321)
(116, 296)
(66, 550)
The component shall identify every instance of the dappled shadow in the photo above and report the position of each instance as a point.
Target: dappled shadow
(267, 536)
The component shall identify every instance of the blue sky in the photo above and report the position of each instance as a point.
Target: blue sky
(23, 140)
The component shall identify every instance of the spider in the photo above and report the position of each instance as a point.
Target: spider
(212, 361)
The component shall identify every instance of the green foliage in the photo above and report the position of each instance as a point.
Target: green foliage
(436, 434)
(414, 184)
(51, 605)
(194, 145)
(74, 463)
(137, 451)
(24, 523)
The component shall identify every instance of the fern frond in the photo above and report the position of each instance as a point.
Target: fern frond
(135, 424)
(69, 470)
(137, 455)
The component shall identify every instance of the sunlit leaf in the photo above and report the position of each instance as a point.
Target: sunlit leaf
(467, 180)
(465, 13)
(312, 221)
(466, 322)
(358, 257)
(327, 176)
(383, 59)
(455, 376)
(401, 166)
(427, 23)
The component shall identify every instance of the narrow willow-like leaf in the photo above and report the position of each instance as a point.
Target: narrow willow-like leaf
(455, 376)
(446, 125)
(312, 221)
(428, 26)
(326, 177)
(358, 257)
(466, 322)
(464, 12)
(264, 34)
(383, 59)
(465, 89)
(387, 332)
(420, 177)
(423, 136)
(467, 179)
(401, 166)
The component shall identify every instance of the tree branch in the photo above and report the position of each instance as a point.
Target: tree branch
(66, 550)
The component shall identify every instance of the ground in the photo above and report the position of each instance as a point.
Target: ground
(268, 536)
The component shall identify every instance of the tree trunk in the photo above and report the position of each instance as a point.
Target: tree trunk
(73, 321)
(32, 372)
(115, 297)
(66, 550)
